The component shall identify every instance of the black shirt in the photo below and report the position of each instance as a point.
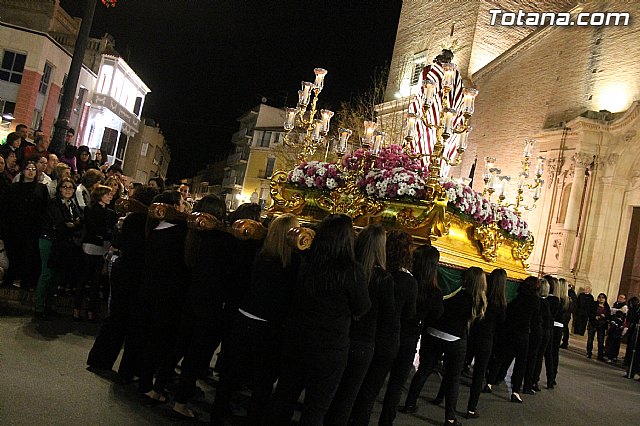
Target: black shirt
(405, 293)
(427, 312)
(486, 327)
(520, 312)
(378, 322)
(272, 287)
(323, 320)
(456, 315)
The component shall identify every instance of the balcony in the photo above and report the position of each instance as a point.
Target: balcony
(237, 158)
(241, 137)
(264, 174)
(232, 182)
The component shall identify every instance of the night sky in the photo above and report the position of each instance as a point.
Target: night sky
(209, 61)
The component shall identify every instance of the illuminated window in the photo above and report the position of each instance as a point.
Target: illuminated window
(46, 78)
(417, 72)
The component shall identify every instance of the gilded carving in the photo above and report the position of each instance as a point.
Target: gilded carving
(293, 204)
(490, 239)
(300, 238)
(435, 218)
(348, 199)
(522, 250)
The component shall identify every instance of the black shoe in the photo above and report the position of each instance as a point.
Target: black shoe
(179, 416)
(486, 389)
(588, 356)
(454, 423)
(408, 409)
(472, 415)
(553, 382)
(516, 398)
(550, 385)
(535, 387)
(41, 316)
(529, 391)
(436, 401)
(564, 346)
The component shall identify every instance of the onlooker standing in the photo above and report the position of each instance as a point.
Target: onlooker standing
(614, 335)
(569, 314)
(583, 307)
(599, 315)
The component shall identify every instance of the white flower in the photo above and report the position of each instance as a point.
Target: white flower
(309, 181)
(331, 183)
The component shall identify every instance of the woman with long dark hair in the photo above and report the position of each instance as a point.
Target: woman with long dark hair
(429, 308)
(255, 344)
(331, 290)
(448, 335)
(398, 253)
(599, 315)
(555, 304)
(481, 335)
(375, 325)
(515, 343)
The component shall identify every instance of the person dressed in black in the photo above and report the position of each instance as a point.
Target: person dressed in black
(448, 335)
(164, 285)
(584, 303)
(571, 312)
(534, 364)
(429, 308)
(331, 291)
(535, 339)
(99, 222)
(126, 274)
(376, 325)
(614, 334)
(24, 209)
(631, 330)
(481, 335)
(398, 253)
(598, 320)
(561, 291)
(255, 342)
(520, 312)
(199, 322)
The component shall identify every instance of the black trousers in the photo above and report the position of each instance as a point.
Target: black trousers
(529, 373)
(384, 356)
(253, 356)
(311, 367)
(600, 331)
(89, 285)
(480, 349)
(565, 335)
(556, 338)
(115, 328)
(580, 323)
(543, 354)
(516, 345)
(23, 252)
(454, 354)
(360, 356)
(612, 344)
(398, 375)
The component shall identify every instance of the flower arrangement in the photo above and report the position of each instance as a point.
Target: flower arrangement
(392, 175)
(316, 174)
(470, 203)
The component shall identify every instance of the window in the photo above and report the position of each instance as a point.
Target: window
(82, 92)
(145, 148)
(64, 81)
(12, 67)
(36, 122)
(109, 140)
(417, 72)
(137, 106)
(46, 78)
(271, 162)
(265, 140)
(7, 107)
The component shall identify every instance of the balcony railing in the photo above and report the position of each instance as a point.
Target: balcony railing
(231, 181)
(236, 158)
(241, 137)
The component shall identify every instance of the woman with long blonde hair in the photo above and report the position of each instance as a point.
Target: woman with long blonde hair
(255, 344)
(561, 291)
(448, 335)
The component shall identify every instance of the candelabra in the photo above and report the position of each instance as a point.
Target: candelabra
(312, 131)
(494, 182)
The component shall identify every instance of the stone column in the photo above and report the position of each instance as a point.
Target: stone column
(581, 161)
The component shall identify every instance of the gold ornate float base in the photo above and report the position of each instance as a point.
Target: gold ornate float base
(461, 242)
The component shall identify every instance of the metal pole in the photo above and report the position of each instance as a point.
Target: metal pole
(70, 86)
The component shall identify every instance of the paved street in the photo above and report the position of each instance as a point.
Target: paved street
(43, 381)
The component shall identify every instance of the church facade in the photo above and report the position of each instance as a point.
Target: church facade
(576, 90)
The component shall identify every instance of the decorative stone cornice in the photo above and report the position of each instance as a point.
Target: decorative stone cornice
(582, 159)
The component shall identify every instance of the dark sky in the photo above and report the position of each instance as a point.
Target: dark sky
(209, 61)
